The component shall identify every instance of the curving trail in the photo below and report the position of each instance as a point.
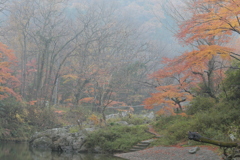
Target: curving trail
(171, 153)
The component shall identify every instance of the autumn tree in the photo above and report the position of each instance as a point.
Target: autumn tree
(20, 23)
(202, 68)
(213, 25)
(7, 79)
(185, 77)
(212, 18)
(173, 85)
(45, 42)
(108, 44)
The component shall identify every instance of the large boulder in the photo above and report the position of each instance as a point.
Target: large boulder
(42, 142)
(61, 139)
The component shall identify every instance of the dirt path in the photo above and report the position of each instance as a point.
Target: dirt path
(176, 152)
(170, 153)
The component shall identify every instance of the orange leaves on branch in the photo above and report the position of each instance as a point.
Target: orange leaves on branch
(170, 95)
(182, 74)
(176, 79)
(196, 59)
(211, 22)
(87, 100)
(211, 18)
(116, 103)
(166, 96)
(7, 80)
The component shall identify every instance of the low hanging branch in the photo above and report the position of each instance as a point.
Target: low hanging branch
(197, 137)
(232, 146)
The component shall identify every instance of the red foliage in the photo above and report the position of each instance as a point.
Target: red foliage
(7, 80)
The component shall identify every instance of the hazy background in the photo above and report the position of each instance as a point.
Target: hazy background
(80, 50)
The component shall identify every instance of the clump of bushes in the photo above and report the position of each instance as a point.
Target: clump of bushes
(210, 119)
(117, 138)
(215, 118)
(13, 124)
(42, 118)
(18, 120)
(200, 104)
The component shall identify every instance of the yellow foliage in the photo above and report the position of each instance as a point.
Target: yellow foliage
(94, 118)
(69, 77)
(19, 118)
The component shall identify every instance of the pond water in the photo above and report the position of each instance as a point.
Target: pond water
(21, 151)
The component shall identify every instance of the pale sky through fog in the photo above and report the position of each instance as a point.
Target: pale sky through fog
(160, 22)
(168, 25)
(150, 15)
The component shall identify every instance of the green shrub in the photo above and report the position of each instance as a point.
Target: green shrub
(117, 138)
(217, 122)
(10, 107)
(163, 122)
(231, 83)
(13, 123)
(173, 128)
(200, 104)
(42, 118)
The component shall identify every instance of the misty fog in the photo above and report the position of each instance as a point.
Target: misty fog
(70, 50)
